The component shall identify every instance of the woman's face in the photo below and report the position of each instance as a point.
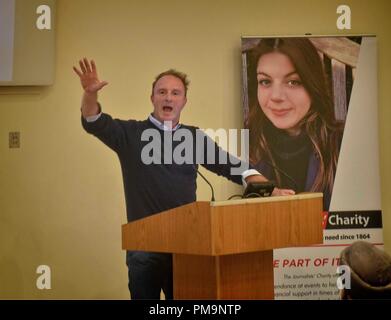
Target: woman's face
(281, 94)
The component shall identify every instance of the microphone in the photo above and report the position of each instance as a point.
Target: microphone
(213, 193)
(284, 174)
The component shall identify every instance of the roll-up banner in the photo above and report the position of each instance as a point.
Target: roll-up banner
(310, 104)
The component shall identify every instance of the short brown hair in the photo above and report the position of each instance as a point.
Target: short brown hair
(172, 72)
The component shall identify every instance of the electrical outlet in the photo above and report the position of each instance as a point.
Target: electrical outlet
(14, 139)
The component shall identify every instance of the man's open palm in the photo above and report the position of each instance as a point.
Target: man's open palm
(89, 76)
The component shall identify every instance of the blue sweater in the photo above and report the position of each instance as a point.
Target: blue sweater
(152, 188)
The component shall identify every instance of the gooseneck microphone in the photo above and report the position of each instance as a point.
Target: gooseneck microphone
(206, 180)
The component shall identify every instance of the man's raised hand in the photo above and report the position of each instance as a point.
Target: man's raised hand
(89, 76)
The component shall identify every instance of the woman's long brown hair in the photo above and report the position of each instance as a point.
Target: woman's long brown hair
(319, 123)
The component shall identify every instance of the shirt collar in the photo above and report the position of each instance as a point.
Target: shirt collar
(160, 125)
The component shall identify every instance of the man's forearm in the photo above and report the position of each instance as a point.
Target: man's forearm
(89, 104)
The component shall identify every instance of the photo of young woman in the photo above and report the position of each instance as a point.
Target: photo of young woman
(294, 136)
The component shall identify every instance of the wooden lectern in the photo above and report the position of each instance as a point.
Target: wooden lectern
(224, 250)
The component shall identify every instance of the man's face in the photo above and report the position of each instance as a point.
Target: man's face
(168, 99)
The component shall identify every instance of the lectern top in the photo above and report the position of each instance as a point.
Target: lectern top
(300, 196)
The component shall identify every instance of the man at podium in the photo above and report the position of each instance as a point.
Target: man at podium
(157, 182)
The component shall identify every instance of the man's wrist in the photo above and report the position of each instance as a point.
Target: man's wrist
(248, 173)
(94, 116)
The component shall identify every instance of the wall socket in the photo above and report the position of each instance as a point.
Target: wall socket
(14, 139)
